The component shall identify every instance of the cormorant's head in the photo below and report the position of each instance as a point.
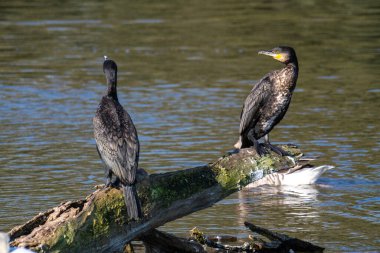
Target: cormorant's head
(110, 70)
(283, 54)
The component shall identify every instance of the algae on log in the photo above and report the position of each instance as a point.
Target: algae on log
(99, 223)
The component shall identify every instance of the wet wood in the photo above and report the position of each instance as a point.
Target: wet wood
(98, 223)
(281, 242)
(278, 243)
(160, 242)
(198, 236)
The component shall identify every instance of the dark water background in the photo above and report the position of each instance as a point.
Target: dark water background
(185, 68)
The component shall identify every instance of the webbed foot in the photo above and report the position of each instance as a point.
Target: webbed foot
(256, 145)
(277, 150)
(112, 183)
(259, 149)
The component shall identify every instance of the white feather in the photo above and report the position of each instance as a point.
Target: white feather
(4, 242)
(4, 245)
(22, 250)
(305, 175)
(299, 177)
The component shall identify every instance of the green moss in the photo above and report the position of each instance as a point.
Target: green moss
(100, 224)
(163, 191)
(197, 235)
(222, 177)
(232, 175)
(267, 162)
(107, 214)
(164, 195)
(292, 150)
(67, 235)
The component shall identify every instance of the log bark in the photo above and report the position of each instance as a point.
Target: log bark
(99, 222)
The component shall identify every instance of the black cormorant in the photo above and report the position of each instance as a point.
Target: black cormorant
(117, 141)
(268, 101)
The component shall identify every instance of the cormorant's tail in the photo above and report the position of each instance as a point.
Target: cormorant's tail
(238, 143)
(131, 201)
(243, 142)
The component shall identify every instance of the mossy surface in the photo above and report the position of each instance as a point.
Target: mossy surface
(229, 172)
(240, 169)
(164, 190)
(93, 227)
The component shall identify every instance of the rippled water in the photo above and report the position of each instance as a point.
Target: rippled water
(185, 69)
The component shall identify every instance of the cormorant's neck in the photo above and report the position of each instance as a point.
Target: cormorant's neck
(293, 63)
(112, 90)
(288, 76)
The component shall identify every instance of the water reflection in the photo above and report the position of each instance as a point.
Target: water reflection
(289, 195)
(300, 201)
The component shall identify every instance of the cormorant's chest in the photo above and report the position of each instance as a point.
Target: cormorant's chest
(278, 99)
(283, 84)
(277, 102)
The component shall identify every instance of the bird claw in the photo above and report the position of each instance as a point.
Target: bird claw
(234, 151)
(277, 150)
(112, 183)
(260, 150)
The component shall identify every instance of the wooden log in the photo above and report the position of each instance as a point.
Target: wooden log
(99, 224)
(199, 237)
(278, 243)
(281, 242)
(160, 242)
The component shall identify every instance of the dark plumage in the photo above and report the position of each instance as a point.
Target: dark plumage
(117, 141)
(268, 101)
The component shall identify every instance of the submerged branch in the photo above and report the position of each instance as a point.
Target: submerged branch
(278, 243)
(281, 242)
(157, 241)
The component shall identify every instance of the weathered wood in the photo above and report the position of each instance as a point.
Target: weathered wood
(281, 242)
(198, 236)
(99, 223)
(160, 242)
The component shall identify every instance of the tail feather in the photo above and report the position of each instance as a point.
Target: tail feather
(131, 201)
(238, 143)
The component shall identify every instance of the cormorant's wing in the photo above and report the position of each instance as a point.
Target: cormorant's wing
(254, 101)
(117, 141)
(130, 148)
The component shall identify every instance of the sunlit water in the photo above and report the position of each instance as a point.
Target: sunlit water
(185, 69)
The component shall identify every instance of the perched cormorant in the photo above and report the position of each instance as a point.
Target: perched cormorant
(117, 141)
(268, 101)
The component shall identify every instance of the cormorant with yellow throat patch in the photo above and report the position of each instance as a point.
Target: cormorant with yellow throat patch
(268, 101)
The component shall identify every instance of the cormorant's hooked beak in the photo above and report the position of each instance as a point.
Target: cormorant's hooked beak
(269, 53)
(277, 56)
